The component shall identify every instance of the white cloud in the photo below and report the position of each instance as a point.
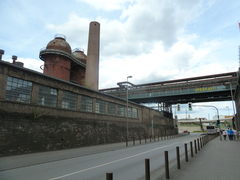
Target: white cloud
(75, 30)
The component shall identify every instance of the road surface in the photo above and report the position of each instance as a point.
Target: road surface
(124, 162)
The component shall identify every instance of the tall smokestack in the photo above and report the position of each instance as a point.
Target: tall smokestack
(1, 53)
(92, 66)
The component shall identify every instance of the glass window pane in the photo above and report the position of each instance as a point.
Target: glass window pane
(17, 92)
(100, 106)
(86, 104)
(134, 113)
(121, 110)
(69, 100)
(111, 108)
(46, 96)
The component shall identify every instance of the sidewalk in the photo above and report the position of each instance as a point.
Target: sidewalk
(217, 160)
(11, 162)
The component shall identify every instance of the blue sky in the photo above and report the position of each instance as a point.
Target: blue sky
(150, 40)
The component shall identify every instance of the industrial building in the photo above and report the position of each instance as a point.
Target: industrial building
(62, 108)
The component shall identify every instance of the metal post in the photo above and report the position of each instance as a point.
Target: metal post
(186, 152)
(201, 142)
(109, 176)
(198, 145)
(195, 145)
(127, 110)
(166, 165)
(147, 169)
(178, 157)
(191, 146)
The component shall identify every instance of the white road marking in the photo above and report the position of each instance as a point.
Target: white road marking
(94, 167)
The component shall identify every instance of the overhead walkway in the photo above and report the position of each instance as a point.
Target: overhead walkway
(218, 87)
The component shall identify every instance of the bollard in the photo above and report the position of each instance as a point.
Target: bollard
(178, 157)
(147, 169)
(195, 146)
(191, 146)
(186, 153)
(198, 145)
(166, 165)
(109, 176)
(200, 142)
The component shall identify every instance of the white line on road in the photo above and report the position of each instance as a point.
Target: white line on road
(94, 167)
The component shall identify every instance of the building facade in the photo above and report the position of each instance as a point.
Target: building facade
(39, 112)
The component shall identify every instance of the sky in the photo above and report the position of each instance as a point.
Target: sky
(150, 40)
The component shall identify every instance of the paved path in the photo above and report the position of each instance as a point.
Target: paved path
(217, 160)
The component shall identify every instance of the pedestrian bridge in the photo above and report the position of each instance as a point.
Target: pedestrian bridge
(218, 87)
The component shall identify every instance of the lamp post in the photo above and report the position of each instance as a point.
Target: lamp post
(217, 116)
(127, 111)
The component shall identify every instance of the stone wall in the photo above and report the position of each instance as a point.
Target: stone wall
(28, 133)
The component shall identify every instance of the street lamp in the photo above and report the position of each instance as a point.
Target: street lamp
(218, 120)
(127, 111)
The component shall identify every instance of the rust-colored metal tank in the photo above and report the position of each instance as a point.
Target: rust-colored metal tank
(57, 58)
(78, 72)
(78, 53)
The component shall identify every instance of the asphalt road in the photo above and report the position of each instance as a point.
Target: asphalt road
(92, 163)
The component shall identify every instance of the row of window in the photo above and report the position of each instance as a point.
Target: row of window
(21, 91)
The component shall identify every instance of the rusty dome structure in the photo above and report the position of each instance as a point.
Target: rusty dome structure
(63, 63)
(60, 62)
(78, 72)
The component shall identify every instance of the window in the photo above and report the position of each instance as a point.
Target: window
(69, 100)
(100, 106)
(129, 112)
(121, 110)
(86, 104)
(47, 96)
(134, 113)
(18, 90)
(111, 108)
